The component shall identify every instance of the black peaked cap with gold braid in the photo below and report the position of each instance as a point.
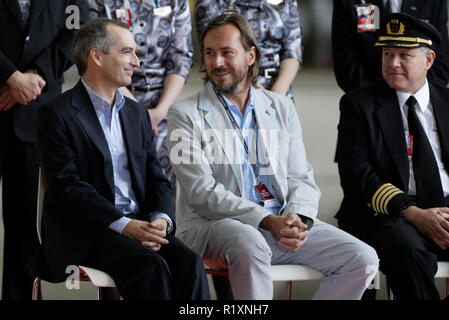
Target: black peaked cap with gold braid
(401, 30)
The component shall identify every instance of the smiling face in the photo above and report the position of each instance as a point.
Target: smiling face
(118, 64)
(226, 60)
(406, 69)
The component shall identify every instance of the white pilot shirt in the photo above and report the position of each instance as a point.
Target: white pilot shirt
(427, 119)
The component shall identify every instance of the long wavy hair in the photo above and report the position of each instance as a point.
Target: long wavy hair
(247, 38)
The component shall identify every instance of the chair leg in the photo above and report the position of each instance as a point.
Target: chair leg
(288, 295)
(389, 291)
(446, 287)
(222, 287)
(107, 293)
(36, 286)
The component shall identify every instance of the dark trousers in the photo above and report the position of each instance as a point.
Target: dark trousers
(19, 171)
(173, 272)
(407, 257)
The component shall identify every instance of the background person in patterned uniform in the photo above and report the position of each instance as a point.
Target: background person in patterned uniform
(278, 33)
(162, 31)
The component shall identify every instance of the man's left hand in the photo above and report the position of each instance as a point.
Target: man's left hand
(7, 101)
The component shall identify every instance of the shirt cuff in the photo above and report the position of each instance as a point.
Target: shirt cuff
(157, 214)
(119, 225)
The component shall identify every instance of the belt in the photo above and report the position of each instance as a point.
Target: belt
(145, 87)
(268, 73)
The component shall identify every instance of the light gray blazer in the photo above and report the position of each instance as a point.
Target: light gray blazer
(210, 180)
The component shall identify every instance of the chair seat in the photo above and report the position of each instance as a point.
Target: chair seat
(294, 272)
(97, 277)
(282, 272)
(443, 270)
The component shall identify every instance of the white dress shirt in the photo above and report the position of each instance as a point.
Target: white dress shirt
(395, 5)
(427, 119)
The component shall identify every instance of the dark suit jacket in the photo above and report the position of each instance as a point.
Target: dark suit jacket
(79, 199)
(371, 148)
(357, 62)
(44, 44)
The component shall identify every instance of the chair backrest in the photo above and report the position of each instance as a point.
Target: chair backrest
(40, 204)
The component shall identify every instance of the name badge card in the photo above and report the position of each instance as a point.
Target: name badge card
(366, 17)
(266, 195)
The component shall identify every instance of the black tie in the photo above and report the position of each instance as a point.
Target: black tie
(427, 176)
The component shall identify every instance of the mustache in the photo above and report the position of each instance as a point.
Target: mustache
(219, 70)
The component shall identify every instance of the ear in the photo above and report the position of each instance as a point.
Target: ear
(251, 56)
(96, 56)
(430, 58)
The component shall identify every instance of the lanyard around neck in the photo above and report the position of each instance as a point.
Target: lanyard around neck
(240, 134)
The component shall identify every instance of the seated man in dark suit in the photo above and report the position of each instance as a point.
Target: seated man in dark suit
(357, 61)
(107, 203)
(393, 158)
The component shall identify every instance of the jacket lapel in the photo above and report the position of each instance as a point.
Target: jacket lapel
(132, 139)
(218, 120)
(89, 120)
(441, 114)
(411, 7)
(15, 12)
(35, 11)
(390, 120)
(266, 123)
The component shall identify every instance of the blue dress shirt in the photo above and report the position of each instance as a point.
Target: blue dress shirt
(125, 198)
(248, 126)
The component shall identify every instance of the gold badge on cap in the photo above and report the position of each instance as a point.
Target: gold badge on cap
(395, 28)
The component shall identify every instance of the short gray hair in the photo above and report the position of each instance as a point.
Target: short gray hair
(93, 34)
(424, 50)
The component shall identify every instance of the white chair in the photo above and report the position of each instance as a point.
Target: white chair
(99, 279)
(442, 273)
(282, 272)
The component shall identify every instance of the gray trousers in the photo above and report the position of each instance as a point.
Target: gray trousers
(349, 265)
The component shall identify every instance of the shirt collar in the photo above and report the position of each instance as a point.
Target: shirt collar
(249, 105)
(100, 103)
(422, 96)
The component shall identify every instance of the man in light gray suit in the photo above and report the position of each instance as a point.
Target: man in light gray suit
(247, 194)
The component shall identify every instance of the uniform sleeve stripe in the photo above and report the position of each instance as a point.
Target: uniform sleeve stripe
(373, 200)
(382, 197)
(391, 197)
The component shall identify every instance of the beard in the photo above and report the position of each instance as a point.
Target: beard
(229, 88)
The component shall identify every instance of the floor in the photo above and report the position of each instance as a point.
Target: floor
(316, 95)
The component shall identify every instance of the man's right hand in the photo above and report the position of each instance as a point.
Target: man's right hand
(432, 222)
(289, 230)
(25, 87)
(146, 233)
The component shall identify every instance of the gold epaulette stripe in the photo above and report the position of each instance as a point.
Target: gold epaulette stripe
(382, 197)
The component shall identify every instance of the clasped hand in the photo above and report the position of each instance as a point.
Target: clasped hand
(150, 234)
(20, 88)
(432, 222)
(289, 230)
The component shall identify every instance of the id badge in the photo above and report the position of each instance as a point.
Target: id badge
(367, 16)
(409, 140)
(266, 195)
(124, 15)
(162, 11)
(231, 10)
